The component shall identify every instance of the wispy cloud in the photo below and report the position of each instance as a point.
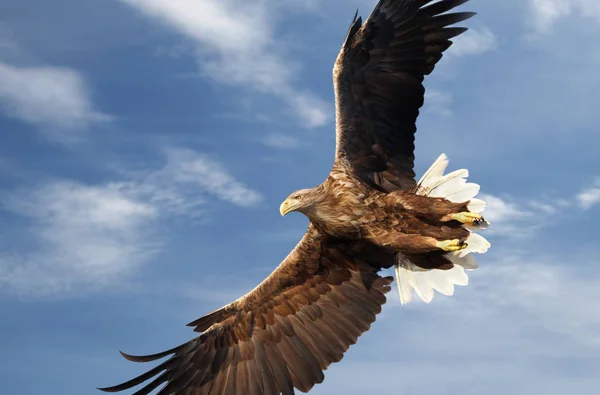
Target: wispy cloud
(278, 140)
(536, 284)
(515, 218)
(502, 210)
(512, 219)
(188, 169)
(474, 41)
(182, 186)
(93, 236)
(547, 12)
(545, 207)
(85, 235)
(237, 45)
(55, 98)
(539, 286)
(548, 292)
(590, 197)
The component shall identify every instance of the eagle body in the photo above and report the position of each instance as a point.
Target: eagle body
(346, 207)
(369, 214)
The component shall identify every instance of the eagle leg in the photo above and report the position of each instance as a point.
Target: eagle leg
(452, 245)
(467, 218)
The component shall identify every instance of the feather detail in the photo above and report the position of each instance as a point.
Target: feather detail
(406, 282)
(476, 205)
(455, 188)
(410, 277)
(475, 243)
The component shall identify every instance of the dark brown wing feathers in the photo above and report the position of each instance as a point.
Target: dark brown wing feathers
(378, 81)
(283, 334)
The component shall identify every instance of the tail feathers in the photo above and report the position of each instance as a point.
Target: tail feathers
(455, 188)
(406, 282)
(468, 261)
(475, 243)
(452, 186)
(410, 277)
(476, 205)
(435, 171)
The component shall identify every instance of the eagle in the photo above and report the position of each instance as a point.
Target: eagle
(369, 214)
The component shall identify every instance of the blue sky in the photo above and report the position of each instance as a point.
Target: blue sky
(146, 146)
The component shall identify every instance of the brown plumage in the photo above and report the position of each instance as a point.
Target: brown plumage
(366, 216)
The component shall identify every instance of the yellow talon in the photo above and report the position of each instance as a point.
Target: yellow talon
(468, 218)
(452, 245)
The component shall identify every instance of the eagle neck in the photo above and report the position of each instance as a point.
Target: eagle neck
(340, 207)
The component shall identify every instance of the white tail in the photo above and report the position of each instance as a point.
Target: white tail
(453, 187)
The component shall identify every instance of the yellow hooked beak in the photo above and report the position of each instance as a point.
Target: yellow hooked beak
(285, 207)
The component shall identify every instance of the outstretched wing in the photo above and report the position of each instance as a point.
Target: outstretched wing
(285, 332)
(378, 79)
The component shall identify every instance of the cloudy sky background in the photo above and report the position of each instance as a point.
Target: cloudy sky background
(146, 146)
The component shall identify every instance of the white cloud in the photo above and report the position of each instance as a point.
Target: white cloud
(53, 97)
(313, 110)
(590, 196)
(511, 219)
(544, 207)
(499, 210)
(547, 12)
(182, 186)
(237, 45)
(185, 167)
(92, 236)
(473, 42)
(86, 235)
(552, 294)
(280, 141)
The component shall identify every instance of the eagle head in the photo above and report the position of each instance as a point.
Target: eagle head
(300, 201)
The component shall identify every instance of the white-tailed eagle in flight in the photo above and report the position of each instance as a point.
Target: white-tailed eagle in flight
(369, 214)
